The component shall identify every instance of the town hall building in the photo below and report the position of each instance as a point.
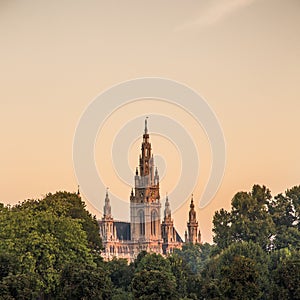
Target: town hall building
(147, 229)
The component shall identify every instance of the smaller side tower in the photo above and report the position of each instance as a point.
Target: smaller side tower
(107, 230)
(112, 233)
(167, 228)
(192, 235)
(169, 235)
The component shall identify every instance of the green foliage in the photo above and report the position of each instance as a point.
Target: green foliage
(186, 265)
(239, 272)
(180, 271)
(249, 220)
(120, 273)
(222, 228)
(37, 241)
(120, 294)
(283, 210)
(153, 279)
(49, 249)
(20, 286)
(284, 271)
(84, 281)
(286, 277)
(240, 279)
(294, 195)
(69, 205)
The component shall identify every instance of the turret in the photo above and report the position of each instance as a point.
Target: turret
(193, 235)
(192, 213)
(167, 212)
(107, 207)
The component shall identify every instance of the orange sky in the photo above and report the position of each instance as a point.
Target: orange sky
(242, 56)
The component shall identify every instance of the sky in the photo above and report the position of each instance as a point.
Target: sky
(241, 56)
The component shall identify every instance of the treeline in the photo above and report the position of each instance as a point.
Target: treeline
(49, 249)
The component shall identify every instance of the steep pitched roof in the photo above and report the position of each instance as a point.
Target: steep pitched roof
(178, 238)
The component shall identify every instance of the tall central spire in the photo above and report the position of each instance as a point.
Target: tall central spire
(146, 134)
(146, 129)
(146, 175)
(145, 199)
(146, 163)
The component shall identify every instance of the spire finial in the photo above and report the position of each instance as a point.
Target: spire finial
(192, 202)
(78, 191)
(146, 128)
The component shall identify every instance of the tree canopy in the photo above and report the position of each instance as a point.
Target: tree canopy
(50, 249)
(39, 239)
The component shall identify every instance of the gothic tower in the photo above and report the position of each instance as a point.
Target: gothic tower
(167, 230)
(145, 199)
(193, 235)
(108, 230)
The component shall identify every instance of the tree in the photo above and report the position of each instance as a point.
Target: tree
(238, 272)
(120, 273)
(286, 275)
(39, 243)
(153, 279)
(21, 286)
(84, 281)
(181, 273)
(186, 265)
(249, 220)
(294, 195)
(240, 279)
(282, 211)
(69, 205)
(222, 231)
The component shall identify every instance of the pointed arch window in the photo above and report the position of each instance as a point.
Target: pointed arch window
(153, 222)
(142, 222)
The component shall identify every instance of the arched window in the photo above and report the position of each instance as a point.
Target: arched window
(142, 222)
(153, 222)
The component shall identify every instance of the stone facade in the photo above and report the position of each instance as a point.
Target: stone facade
(145, 230)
